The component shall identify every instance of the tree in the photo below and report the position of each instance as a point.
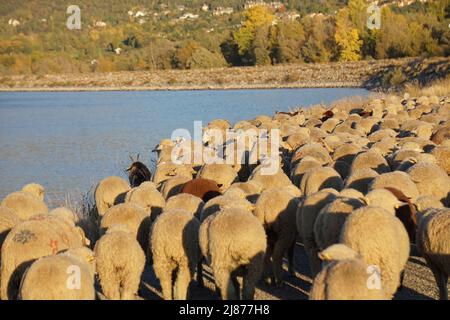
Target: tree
(347, 38)
(255, 18)
(289, 39)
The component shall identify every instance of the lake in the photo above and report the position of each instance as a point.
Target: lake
(68, 141)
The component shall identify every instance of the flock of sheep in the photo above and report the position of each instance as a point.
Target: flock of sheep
(357, 185)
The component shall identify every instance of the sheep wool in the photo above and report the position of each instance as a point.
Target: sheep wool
(433, 242)
(320, 178)
(136, 219)
(306, 216)
(386, 246)
(24, 204)
(147, 197)
(173, 186)
(237, 244)
(110, 191)
(331, 218)
(223, 174)
(186, 201)
(430, 179)
(29, 240)
(344, 280)
(49, 278)
(35, 189)
(276, 210)
(175, 248)
(120, 262)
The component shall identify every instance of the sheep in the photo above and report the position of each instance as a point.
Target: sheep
(341, 167)
(346, 152)
(173, 186)
(345, 277)
(383, 198)
(430, 179)
(138, 172)
(397, 180)
(385, 246)
(276, 210)
(314, 150)
(370, 160)
(223, 174)
(237, 245)
(441, 134)
(360, 179)
(186, 201)
(120, 262)
(331, 218)
(269, 179)
(132, 216)
(35, 189)
(320, 178)
(66, 214)
(433, 243)
(175, 248)
(252, 189)
(226, 201)
(148, 198)
(40, 236)
(53, 277)
(167, 170)
(385, 145)
(204, 189)
(424, 202)
(306, 215)
(110, 191)
(306, 164)
(442, 155)
(24, 204)
(8, 220)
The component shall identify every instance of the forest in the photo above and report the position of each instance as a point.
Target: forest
(129, 35)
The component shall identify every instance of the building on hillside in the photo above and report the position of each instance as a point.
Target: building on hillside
(275, 5)
(221, 11)
(14, 22)
(100, 24)
(205, 7)
(188, 16)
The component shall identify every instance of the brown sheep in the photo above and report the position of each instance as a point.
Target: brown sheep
(204, 189)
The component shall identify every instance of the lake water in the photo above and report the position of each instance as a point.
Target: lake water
(68, 141)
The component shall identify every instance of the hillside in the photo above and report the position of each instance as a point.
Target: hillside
(139, 35)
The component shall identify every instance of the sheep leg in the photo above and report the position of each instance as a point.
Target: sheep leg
(225, 284)
(182, 283)
(252, 276)
(441, 280)
(291, 259)
(267, 273)
(166, 285)
(277, 261)
(130, 286)
(200, 282)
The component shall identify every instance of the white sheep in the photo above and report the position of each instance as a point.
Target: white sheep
(110, 191)
(237, 244)
(120, 262)
(175, 248)
(433, 242)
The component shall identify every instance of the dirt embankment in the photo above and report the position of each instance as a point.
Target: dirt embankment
(376, 74)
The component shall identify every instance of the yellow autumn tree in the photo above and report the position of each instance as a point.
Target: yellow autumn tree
(347, 38)
(254, 18)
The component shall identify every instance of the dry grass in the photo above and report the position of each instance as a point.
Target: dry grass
(85, 209)
(437, 88)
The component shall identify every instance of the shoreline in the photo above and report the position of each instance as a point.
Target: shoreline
(183, 88)
(373, 75)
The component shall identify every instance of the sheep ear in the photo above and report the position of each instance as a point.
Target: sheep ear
(219, 185)
(83, 236)
(137, 158)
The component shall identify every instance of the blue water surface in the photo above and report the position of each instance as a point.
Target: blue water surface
(68, 141)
